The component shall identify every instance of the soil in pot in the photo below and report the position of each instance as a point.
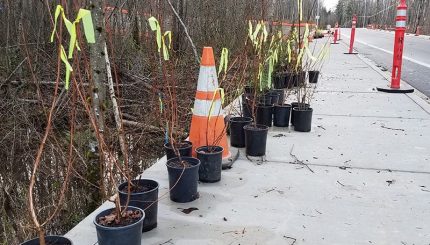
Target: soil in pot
(303, 119)
(183, 179)
(281, 116)
(210, 163)
(313, 76)
(265, 115)
(256, 139)
(184, 148)
(144, 195)
(237, 134)
(50, 240)
(294, 105)
(128, 231)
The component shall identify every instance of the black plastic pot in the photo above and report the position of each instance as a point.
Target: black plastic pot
(210, 163)
(265, 115)
(266, 98)
(290, 80)
(256, 139)
(51, 240)
(274, 96)
(237, 134)
(300, 79)
(279, 80)
(249, 89)
(294, 105)
(227, 124)
(183, 182)
(281, 96)
(281, 116)
(185, 150)
(130, 234)
(313, 76)
(247, 109)
(146, 200)
(303, 119)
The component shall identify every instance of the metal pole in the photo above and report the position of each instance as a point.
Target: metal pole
(318, 13)
(365, 10)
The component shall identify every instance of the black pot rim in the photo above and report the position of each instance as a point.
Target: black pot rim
(183, 158)
(306, 109)
(237, 119)
(106, 228)
(210, 153)
(297, 103)
(47, 237)
(284, 105)
(139, 193)
(190, 144)
(265, 106)
(257, 127)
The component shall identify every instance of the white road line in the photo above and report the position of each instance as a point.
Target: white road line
(391, 52)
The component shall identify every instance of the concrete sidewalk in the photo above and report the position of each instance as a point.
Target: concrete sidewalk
(366, 178)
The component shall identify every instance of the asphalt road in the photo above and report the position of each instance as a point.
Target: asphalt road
(378, 46)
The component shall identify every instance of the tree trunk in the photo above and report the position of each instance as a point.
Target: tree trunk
(97, 62)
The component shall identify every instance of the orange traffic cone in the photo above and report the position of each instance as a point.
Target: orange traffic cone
(208, 129)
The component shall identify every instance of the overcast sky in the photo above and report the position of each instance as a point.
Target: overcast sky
(330, 4)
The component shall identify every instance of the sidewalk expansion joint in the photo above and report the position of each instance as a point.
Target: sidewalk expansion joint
(347, 92)
(385, 117)
(352, 167)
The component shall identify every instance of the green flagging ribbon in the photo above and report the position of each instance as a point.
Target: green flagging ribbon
(161, 38)
(87, 21)
(221, 91)
(223, 65)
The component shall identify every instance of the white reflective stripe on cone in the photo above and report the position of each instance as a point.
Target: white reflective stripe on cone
(401, 12)
(202, 107)
(208, 80)
(400, 23)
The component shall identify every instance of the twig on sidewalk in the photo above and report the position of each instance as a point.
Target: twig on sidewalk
(297, 161)
(340, 183)
(291, 238)
(395, 129)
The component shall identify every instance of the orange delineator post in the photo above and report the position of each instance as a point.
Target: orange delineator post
(207, 123)
(398, 45)
(335, 35)
(352, 39)
(399, 40)
(418, 31)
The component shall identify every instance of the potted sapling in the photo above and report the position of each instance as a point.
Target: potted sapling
(64, 177)
(183, 170)
(302, 110)
(263, 58)
(210, 154)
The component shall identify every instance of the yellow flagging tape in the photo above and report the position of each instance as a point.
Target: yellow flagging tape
(161, 42)
(221, 90)
(87, 21)
(223, 64)
(69, 68)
